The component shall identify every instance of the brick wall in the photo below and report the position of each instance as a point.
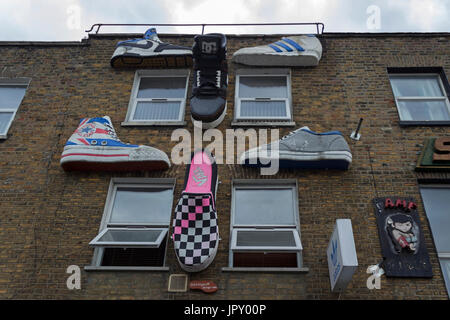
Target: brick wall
(48, 216)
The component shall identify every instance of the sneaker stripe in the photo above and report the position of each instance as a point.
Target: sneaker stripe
(94, 155)
(275, 48)
(281, 44)
(294, 44)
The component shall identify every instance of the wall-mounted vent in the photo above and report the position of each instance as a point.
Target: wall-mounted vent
(178, 283)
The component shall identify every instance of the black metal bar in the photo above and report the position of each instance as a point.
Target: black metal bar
(99, 25)
(359, 126)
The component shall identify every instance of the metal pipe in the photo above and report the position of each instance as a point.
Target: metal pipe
(99, 25)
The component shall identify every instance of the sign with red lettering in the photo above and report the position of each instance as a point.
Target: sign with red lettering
(435, 155)
(203, 285)
(401, 238)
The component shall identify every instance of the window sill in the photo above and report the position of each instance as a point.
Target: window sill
(153, 123)
(424, 123)
(3, 136)
(102, 268)
(273, 270)
(268, 123)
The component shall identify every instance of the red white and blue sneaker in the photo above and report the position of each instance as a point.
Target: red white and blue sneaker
(94, 146)
(151, 52)
(304, 51)
(195, 229)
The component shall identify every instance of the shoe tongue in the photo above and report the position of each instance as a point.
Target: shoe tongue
(108, 119)
(151, 34)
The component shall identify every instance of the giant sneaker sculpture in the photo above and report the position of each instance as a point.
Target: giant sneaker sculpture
(305, 50)
(208, 100)
(94, 146)
(195, 229)
(303, 148)
(151, 52)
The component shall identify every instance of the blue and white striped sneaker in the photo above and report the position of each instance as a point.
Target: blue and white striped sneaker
(304, 50)
(150, 52)
(94, 146)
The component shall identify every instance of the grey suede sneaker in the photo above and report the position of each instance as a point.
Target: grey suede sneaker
(305, 149)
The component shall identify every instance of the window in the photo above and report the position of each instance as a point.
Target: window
(421, 98)
(436, 200)
(158, 97)
(12, 92)
(135, 224)
(263, 95)
(265, 227)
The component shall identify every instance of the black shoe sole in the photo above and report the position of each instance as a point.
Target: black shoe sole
(172, 61)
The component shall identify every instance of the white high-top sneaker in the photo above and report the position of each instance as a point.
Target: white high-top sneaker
(304, 50)
(94, 146)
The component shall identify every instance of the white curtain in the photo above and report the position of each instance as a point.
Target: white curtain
(166, 110)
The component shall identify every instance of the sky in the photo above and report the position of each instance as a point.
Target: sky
(67, 20)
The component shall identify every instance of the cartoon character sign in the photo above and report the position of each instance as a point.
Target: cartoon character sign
(403, 232)
(402, 242)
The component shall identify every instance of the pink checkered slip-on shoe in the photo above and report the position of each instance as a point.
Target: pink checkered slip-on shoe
(195, 229)
(94, 146)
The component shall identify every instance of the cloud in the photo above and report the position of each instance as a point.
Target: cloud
(57, 19)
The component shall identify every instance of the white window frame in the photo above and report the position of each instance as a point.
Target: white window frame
(419, 98)
(442, 255)
(295, 227)
(20, 82)
(235, 247)
(105, 225)
(166, 73)
(130, 244)
(269, 72)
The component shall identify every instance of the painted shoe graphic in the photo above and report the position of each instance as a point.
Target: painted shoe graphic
(150, 52)
(305, 149)
(195, 229)
(94, 146)
(305, 50)
(209, 90)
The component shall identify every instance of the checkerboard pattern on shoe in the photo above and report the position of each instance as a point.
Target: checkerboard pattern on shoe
(195, 231)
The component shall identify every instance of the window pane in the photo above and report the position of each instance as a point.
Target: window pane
(167, 110)
(130, 236)
(265, 239)
(161, 87)
(416, 86)
(142, 205)
(11, 96)
(264, 207)
(445, 266)
(267, 109)
(437, 203)
(423, 110)
(262, 87)
(5, 118)
(265, 259)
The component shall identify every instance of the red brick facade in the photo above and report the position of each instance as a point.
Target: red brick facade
(48, 216)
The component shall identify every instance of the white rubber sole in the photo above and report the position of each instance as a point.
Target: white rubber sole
(148, 53)
(101, 154)
(277, 59)
(209, 125)
(255, 154)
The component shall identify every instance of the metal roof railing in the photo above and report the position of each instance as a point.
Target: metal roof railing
(319, 25)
